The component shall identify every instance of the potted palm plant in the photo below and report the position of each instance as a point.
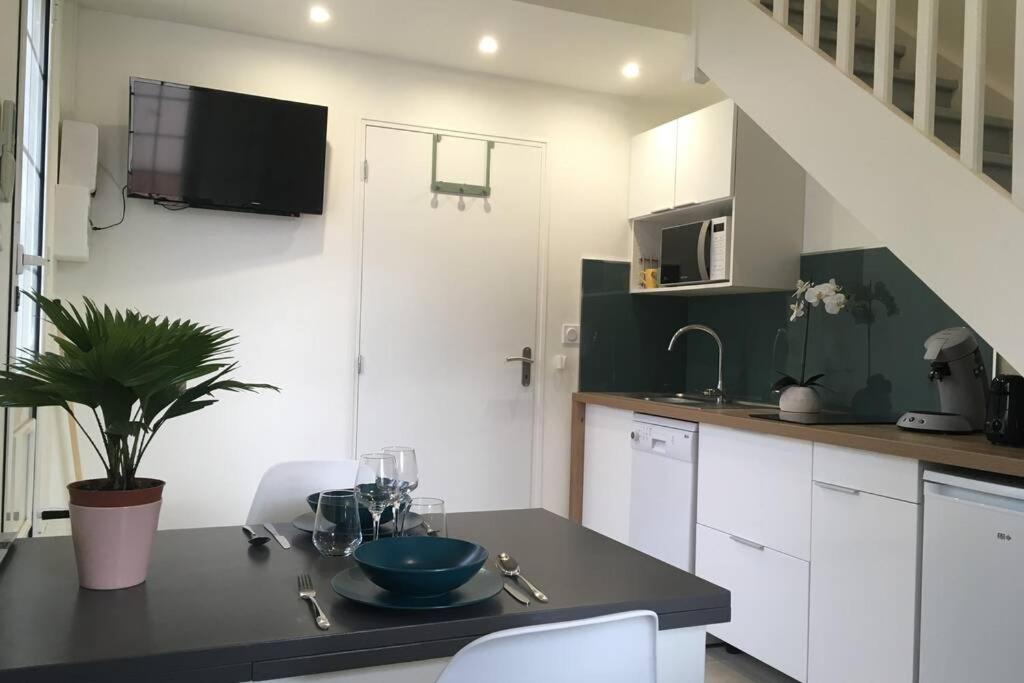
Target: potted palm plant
(132, 373)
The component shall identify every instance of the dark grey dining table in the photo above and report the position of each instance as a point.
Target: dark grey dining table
(216, 610)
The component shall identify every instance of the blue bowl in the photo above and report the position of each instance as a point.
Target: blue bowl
(420, 565)
(332, 512)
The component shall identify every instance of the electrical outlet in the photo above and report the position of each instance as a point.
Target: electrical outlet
(570, 334)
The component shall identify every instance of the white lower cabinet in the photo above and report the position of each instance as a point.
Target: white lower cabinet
(863, 598)
(769, 598)
(607, 452)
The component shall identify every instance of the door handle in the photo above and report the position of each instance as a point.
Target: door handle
(527, 361)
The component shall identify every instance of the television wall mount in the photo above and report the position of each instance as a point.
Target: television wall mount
(461, 189)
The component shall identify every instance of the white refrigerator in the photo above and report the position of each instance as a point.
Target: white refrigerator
(972, 568)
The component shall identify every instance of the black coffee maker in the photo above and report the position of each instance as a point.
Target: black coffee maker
(1004, 423)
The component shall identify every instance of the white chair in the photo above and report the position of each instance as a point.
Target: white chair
(281, 494)
(617, 648)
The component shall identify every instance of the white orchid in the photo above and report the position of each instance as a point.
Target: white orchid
(797, 310)
(801, 288)
(835, 303)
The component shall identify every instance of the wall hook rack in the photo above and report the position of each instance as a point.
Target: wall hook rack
(461, 189)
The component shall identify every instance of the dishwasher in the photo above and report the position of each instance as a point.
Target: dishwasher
(972, 606)
(663, 489)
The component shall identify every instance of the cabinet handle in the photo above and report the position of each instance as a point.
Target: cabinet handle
(667, 208)
(685, 204)
(837, 488)
(749, 544)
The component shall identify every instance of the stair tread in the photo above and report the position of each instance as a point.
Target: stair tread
(908, 77)
(997, 159)
(797, 7)
(955, 115)
(833, 37)
(990, 121)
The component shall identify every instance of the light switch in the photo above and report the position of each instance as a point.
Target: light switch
(570, 334)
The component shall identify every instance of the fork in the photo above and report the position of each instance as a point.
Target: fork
(307, 592)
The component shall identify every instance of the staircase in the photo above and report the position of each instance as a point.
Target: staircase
(997, 159)
(885, 149)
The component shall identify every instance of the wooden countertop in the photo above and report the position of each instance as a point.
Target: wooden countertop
(972, 451)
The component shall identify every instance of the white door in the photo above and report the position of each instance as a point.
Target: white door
(449, 290)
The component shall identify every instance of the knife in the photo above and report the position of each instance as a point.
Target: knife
(516, 593)
(278, 537)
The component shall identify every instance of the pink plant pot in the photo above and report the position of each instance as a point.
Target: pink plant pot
(113, 543)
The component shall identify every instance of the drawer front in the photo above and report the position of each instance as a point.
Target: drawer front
(863, 588)
(883, 475)
(769, 599)
(757, 487)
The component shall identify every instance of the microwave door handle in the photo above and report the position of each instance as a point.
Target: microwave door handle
(702, 254)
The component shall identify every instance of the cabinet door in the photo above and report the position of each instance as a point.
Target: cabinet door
(705, 145)
(769, 599)
(607, 454)
(863, 587)
(755, 486)
(652, 170)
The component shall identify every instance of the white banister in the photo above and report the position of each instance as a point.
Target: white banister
(924, 71)
(972, 129)
(780, 9)
(1018, 109)
(885, 45)
(812, 22)
(845, 39)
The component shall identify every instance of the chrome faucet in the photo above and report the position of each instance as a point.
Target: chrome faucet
(717, 393)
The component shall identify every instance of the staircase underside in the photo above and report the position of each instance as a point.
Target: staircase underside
(955, 229)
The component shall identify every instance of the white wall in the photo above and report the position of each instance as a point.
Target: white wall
(828, 226)
(286, 285)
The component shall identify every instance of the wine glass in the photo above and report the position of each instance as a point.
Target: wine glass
(377, 485)
(408, 480)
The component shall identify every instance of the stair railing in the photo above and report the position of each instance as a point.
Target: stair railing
(972, 128)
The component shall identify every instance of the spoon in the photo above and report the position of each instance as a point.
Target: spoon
(254, 538)
(509, 567)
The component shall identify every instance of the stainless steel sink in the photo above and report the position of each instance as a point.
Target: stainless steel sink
(700, 402)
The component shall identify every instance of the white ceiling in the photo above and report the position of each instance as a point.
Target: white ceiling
(538, 42)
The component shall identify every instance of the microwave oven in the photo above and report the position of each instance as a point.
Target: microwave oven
(695, 253)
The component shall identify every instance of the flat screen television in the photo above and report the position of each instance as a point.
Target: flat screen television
(223, 150)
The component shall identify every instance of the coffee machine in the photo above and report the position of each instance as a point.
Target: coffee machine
(1005, 423)
(957, 369)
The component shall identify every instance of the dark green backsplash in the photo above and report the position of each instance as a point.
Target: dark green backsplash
(870, 353)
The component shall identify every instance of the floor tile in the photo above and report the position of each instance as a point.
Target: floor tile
(722, 667)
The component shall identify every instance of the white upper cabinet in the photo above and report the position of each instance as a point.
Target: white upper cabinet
(716, 163)
(652, 169)
(705, 152)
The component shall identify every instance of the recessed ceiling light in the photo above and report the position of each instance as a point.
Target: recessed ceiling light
(488, 45)
(631, 70)
(319, 14)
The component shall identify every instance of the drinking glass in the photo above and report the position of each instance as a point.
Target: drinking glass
(336, 529)
(432, 512)
(377, 485)
(408, 480)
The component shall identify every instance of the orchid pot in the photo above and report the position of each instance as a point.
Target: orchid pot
(131, 373)
(800, 394)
